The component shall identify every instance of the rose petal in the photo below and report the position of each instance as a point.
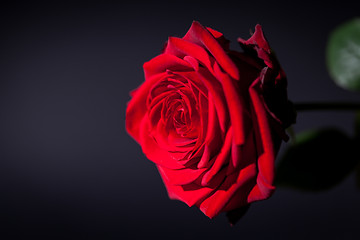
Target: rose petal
(239, 198)
(216, 92)
(137, 107)
(258, 39)
(213, 140)
(221, 159)
(214, 204)
(242, 155)
(163, 62)
(265, 146)
(182, 49)
(258, 43)
(152, 150)
(180, 176)
(190, 193)
(201, 36)
(237, 108)
(220, 38)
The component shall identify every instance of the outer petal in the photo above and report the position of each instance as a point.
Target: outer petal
(276, 100)
(184, 49)
(258, 43)
(190, 193)
(266, 146)
(215, 203)
(180, 176)
(257, 39)
(201, 36)
(274, 83)
(220, 38)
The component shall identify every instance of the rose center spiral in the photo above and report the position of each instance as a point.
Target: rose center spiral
(173, 109)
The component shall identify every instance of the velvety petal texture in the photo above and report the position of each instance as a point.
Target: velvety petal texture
(212, 119)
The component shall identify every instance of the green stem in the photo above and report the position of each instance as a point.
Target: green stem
(343, 106)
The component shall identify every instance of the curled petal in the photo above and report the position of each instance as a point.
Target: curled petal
(215, 203)
(220, 38)
(266, 146)
(258, 43)
(201, 36)
(184, 49)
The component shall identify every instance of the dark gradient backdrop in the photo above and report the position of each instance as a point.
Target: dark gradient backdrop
(69, 170)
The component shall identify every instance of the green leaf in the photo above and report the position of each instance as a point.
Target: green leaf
(343, 55)
(317, 161)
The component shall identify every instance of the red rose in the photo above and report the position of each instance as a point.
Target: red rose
(212, 119)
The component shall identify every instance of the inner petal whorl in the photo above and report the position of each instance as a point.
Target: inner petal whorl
(173, 108)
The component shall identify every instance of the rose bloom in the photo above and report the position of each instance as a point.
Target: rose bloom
(212, 119)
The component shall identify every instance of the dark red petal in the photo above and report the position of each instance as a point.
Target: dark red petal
(239, 114)
(201, 36)
(265, 146)
(258, 39)
(258, 43)
(242, 155)
(274, 91)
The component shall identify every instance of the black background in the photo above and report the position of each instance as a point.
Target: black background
(69, 170)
